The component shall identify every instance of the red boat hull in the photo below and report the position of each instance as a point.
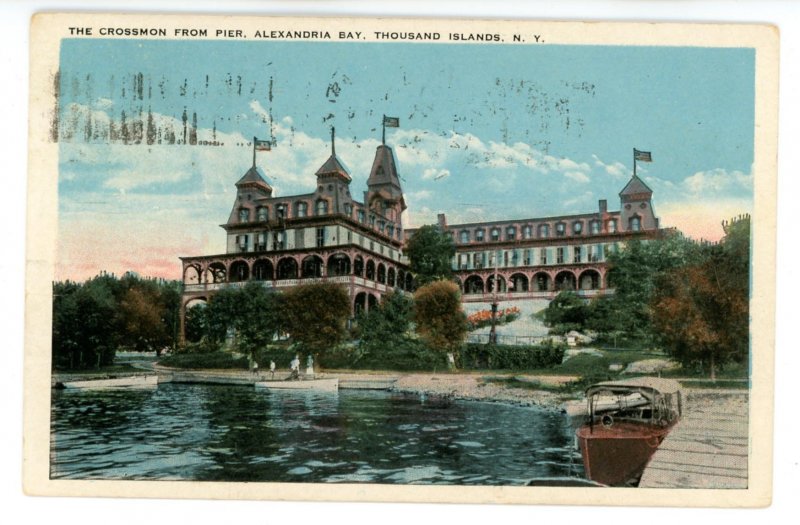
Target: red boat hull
(618, 454)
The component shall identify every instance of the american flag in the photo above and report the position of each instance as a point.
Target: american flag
(642, 156)
(262, 145)
(391, 122)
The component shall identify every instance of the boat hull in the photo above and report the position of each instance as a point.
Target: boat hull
(617, 455)
(326, 385)
(150, 381)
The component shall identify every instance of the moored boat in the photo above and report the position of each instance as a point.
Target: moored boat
(326, 385)
(146, 381)
(626, 422)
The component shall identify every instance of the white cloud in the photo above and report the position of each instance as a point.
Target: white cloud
(420, 195)
(435, 174)
(718, 180)
(577, 176)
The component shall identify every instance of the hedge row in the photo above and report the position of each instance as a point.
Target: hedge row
(506, 357)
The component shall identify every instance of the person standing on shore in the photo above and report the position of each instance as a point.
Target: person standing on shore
(272, 369)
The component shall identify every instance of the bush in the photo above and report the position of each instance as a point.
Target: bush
(506, 357)
(405, 354)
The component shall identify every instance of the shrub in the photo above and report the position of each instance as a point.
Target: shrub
(507, 357)
(197, 360)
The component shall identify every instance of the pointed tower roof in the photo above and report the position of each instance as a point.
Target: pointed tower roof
(635, 186)
(384, 169)
(333, 166)
(254, 177)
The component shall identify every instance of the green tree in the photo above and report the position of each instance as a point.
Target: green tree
(386, 326)
(315, 315)
(440, 320)
(430, 252)
(86, 326)
(567, 309)
(633, 273)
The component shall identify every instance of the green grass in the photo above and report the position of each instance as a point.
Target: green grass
(720, 383)
(105, 370)
(207, 360)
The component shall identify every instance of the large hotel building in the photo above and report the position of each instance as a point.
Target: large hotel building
(330, 235)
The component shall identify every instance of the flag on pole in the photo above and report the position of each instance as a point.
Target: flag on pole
(262, 145)
(391, 122)
(642, 156)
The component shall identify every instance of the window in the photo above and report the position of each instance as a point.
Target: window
(527, 232)
(495, 234)
(544, 231)
(320, 237)
(390, 230)
(349, 236)
(302, 209)
(361, 216)
(261, 244)
(464, 237)
(543, 256)
(561, 229)
(347, 208)
(594, 227)
(559, 255)
(372, 221)
(505, 258)
(280, 213)
(477, 260)
(322, 207)
(527, 257)
(612, 225)
(382, 225)
(577, 228)
(511, 233)
(479, 235)
(244, 215)
(241, 240)
(635, 223)
(263, 214)
(577, 254)
(277, 241)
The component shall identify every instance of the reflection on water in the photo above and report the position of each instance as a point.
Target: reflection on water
(228, 433)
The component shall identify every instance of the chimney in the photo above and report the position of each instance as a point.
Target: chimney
(603, 206)
(442, 221)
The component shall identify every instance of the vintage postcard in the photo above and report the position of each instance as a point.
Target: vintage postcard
(401, 260)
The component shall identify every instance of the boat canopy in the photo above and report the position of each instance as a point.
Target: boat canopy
(648, 385)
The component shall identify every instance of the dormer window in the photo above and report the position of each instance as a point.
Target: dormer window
(361, 216)
(280, 212)
(244, 215)
(390, 231)
(495, 234)
(612, 225)
(595, 227)
(464, 237)
(302, 209)
(479, 235)
(511, 233)
(382, 225)
(635, 223)
(527, 231)
(372, 221)
(561, 229)
(347, 208)
(263, 214)
(322, 207)
(544, 231)
(577, 227)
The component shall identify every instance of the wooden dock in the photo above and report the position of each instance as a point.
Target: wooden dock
(707, 448)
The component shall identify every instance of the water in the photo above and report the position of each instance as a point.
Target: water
(232, 433)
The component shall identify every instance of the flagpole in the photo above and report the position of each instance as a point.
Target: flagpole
(383, 123)
(254, 151)
(634, 162)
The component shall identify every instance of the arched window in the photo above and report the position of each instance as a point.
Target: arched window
(464, 236)
(322, 207)
(495, 234)
(561, 229)
(612, 226)
(479, 235)
(263, 213)
(301, 209)
(577, 228)
(244, 215)
(527, 231)
(635, 223)
(595, 227)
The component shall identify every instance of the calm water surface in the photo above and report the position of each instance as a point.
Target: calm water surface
(232, 433)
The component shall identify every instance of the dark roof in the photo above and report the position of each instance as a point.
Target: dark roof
(635, 186)
(333, 166)
(384, 169)
(253, 175)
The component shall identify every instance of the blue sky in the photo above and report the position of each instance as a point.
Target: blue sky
(486, 133)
